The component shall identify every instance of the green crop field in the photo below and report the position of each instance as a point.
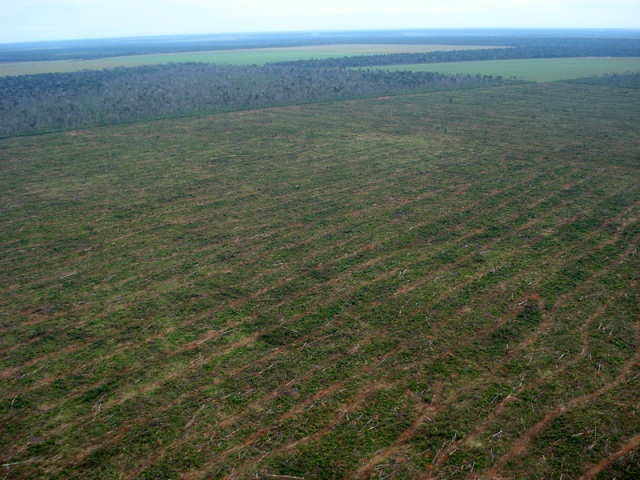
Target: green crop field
(258, 56)
(441, 285)
(535, 70)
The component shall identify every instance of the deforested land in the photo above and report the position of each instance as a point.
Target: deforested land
(425, 284)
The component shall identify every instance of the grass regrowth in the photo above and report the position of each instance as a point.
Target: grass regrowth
(442, 284)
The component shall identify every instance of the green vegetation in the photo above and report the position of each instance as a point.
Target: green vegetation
(34, 104)
(531, 43)
(441, 284)
(257, 56)
(543, 47)
(535, 70)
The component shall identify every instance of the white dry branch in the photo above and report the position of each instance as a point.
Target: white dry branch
(290, 477)
(194, 417)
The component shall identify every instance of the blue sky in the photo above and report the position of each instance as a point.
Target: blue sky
(34, 20)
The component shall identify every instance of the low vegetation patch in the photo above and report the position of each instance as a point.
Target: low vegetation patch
(437, 285)
(254, 56)
(534, 70)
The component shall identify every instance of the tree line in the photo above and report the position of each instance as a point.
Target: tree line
(537, 48)
(33, 104)
(622, 80)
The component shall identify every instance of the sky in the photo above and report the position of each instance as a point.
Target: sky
(37, 20)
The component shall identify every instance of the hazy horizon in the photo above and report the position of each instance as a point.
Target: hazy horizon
(56, 20)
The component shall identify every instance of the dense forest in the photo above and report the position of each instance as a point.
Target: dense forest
(627, 80)
(48, 102)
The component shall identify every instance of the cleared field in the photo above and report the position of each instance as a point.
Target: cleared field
(256, 56)
(534, 70)
(431, 286)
